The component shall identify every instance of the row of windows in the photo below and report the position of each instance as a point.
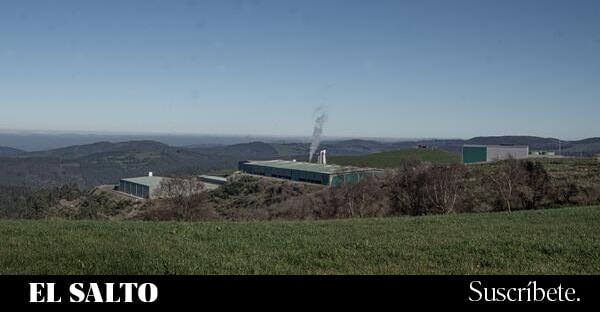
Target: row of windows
(289, 174)
(134, 189)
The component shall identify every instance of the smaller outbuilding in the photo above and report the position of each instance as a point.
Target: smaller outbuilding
(141, 187)
(212, 182)
(213, 179)
(486, 153)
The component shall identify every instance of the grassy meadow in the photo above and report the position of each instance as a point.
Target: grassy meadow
(394, 159)
(551, 241)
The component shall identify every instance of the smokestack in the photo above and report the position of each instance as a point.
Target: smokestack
(322, 158)
(317, 131)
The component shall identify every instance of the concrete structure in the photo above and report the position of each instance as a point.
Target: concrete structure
(322, 159)
(212, 182)
(542, 153)
(485, 153)
(213, 179)
(307, 172)
(141, 187)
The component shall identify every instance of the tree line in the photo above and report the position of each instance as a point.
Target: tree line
(414, 188)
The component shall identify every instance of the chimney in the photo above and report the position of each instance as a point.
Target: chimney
(322, 159)
(150, 173)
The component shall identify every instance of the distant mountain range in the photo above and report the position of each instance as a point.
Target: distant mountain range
(9, 151)
(252, 150)
(584, 147)
(36, 141)
(89, 165)
(101, 163)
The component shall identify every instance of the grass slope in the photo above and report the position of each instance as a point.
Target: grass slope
(393, 159)
(557, 241)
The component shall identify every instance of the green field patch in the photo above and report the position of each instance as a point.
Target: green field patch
(552, 241)
(394, 159)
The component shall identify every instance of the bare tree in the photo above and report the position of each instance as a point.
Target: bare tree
(184, 197)
(506, 180)
(538, 185)
(179, 187)
(350, 196)
(370, 198)
(444, 186)
(405, 188)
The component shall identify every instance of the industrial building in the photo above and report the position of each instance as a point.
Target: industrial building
(212, 182)
(307, 172)
(485, 153)
(142, 187)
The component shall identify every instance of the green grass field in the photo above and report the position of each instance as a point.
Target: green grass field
(555, 241)
(393, 159)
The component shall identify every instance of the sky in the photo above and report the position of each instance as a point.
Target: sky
(405, 69)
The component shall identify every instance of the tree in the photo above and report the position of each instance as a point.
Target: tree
(506, 180)
(369, 197)
(405, 188)
(444, 186)
(185, 197)
(538, 185)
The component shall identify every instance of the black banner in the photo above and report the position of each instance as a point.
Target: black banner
(299, 291)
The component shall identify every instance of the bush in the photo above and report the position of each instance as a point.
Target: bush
(415, 188)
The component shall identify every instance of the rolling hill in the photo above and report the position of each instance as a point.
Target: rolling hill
(100, 163)
(104, 162)
(586, 147)
(517, 140)
(9, 151)
(243, 151)
(394, 159)
(360, 147)
(77, 151)
(583, 148)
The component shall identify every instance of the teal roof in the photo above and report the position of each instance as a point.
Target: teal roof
(151, 182)
(311, 167)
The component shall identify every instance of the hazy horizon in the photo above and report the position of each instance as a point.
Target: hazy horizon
(38, 140)
(299, 136)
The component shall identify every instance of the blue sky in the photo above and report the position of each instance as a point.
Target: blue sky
(380, 68)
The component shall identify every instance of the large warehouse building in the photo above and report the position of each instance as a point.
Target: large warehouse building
(484, 153)
(142, 187)
(307, 172)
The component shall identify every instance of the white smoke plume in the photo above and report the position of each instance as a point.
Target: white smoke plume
(320, 119)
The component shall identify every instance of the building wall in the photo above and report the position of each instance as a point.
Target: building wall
(282, 173)
(504, 152)
(213, 179)
(335, 179)
(351, 177)
(474, 154)
(137, 190)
